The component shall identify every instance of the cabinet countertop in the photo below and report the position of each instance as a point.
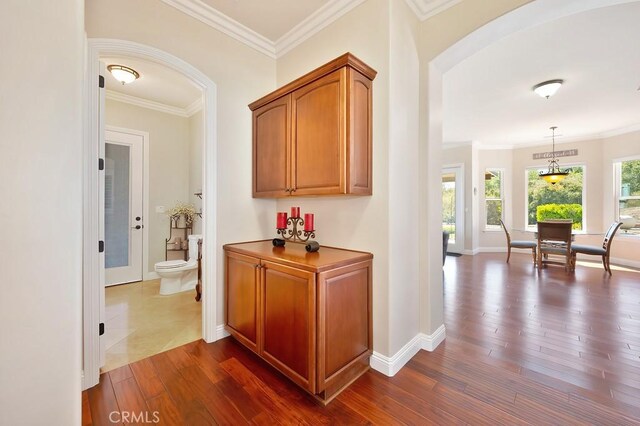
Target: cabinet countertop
(295, 255)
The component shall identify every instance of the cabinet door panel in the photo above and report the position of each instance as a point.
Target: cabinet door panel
(271, 144)
(344, 316)
(289, 306)
(360, 127)
(318, 139)
(242, 298)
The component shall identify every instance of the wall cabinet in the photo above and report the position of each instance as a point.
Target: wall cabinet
(313, 136)
(307, 314)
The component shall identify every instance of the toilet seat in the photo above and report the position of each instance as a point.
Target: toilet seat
(174, 264)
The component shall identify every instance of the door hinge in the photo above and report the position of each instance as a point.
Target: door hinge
(101, 329)
(100, 163)
(100, 246)
(101, 82)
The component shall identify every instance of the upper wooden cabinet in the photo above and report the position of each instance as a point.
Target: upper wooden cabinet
(313, 136)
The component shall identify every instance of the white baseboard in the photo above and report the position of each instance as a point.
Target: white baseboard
(389, 366)
(495, 249)
(621, 262)
(221, 333)
(151, 275)
(614, 260)
(429, 342)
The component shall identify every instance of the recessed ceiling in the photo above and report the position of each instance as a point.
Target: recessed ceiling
(488, 97)
(272, 19)
(157, 83)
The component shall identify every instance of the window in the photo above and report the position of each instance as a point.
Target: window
(493, 197)
(627, 174)
(560, 201)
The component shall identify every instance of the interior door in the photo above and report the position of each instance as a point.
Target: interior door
(123, 221)
(453, 207)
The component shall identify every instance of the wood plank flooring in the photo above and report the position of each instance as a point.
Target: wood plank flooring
(523, 347)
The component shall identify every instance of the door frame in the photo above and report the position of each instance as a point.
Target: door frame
(145, 192)
(458, 170)
(92, 274)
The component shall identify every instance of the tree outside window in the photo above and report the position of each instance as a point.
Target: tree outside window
(628, 182)
(493, 197)
(560, 201)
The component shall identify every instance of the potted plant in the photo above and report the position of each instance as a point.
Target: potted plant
(182, 215)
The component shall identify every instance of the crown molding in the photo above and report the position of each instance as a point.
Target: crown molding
(425, 9)
(210, 16)
(156, 106)
(320, 19)
(194, 107)
(315, 22)
(564, 140)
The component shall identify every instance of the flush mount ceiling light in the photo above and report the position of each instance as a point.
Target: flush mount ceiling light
(123, 74)
(554, 174)
(548, 88)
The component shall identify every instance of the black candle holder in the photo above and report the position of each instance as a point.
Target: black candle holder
(295, 235)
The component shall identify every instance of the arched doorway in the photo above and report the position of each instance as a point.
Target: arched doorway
(93, 280)
(531, 14)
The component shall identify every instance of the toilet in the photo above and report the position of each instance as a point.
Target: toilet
(180, 275)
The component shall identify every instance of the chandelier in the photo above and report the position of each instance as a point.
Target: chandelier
(554, 174)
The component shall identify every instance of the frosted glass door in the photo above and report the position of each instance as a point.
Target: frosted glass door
(122, 209)
(116, 205)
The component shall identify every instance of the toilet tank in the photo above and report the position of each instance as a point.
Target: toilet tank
(193, 246)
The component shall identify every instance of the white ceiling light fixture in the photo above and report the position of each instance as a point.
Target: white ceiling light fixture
(123, 74)
(546, 89)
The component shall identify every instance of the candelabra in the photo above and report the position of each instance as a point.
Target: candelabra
(295, 234)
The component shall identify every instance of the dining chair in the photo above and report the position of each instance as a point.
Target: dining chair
(520, 244)
(603, 251)
(554, 238)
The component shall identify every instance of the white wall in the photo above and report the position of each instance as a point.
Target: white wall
(360, 223)
(241, 75)
(41, 173)
(404, 261)
(169, 165)
(196, 144)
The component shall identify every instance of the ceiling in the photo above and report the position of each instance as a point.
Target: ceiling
(157, 83)
(488, 97)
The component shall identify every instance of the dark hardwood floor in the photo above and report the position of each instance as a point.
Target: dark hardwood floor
(522, 347)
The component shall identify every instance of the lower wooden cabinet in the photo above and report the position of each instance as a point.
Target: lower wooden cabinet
(307, 314)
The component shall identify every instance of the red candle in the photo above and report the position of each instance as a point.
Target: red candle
(281, 222)
(308, 222)
(295, 212)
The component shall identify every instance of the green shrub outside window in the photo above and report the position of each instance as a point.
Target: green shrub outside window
(557, 201)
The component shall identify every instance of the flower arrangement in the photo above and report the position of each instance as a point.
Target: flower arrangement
(182, 209)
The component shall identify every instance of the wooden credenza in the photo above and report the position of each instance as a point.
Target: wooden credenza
(306, 314)
(313, 136)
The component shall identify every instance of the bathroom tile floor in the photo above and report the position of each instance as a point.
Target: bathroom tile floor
(140, 322)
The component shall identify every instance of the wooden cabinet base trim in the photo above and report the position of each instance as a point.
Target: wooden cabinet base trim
(303, 382)
(241, 339)
(343, 378)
